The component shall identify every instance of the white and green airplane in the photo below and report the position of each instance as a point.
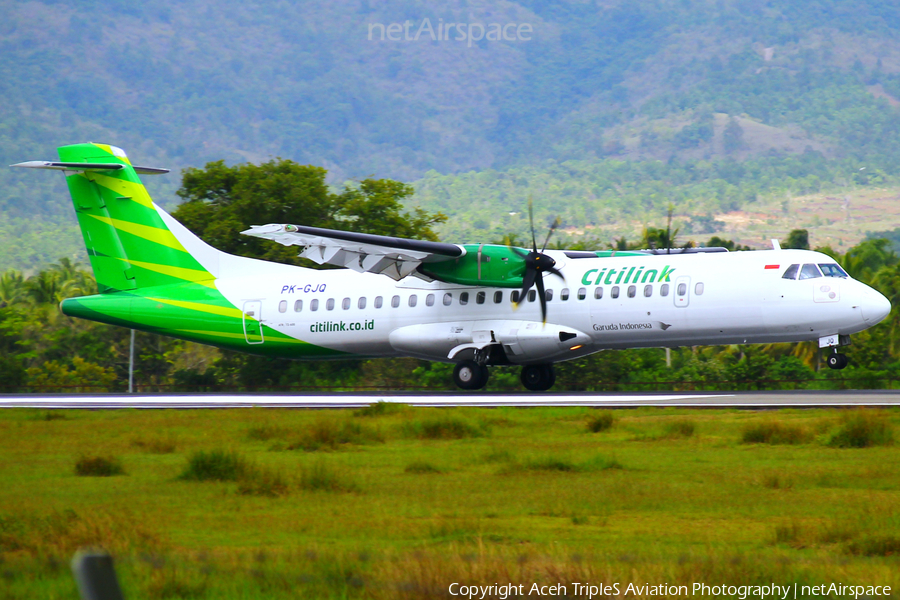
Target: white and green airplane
(473, 305)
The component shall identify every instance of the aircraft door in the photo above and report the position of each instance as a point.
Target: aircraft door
(682, 293)
(252, 317)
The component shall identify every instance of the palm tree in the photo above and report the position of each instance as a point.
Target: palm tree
(12, 287)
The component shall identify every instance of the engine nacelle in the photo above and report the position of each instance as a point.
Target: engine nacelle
(523, 342)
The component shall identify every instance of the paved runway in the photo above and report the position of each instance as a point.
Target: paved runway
(807, 399)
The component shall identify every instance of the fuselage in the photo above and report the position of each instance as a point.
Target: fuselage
(628, 302)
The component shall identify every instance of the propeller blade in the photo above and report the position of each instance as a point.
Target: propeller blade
(542, 296)
(557, 272)
(519, 251)
(549, 233)
(527, 282)
(531, 220)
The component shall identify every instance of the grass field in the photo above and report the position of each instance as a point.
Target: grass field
(399, 502)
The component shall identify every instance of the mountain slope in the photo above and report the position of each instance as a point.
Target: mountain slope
(691, 83)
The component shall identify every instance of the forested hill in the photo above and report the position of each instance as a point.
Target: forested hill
(698, 85)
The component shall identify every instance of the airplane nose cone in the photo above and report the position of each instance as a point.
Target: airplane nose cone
(875, 307)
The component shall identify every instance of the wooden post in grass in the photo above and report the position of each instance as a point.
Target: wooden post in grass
(95, 575)
(131, 365)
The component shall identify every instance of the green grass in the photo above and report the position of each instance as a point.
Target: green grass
(774, 432)
(441, 495)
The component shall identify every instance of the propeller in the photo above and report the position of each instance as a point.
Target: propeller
(536, 264)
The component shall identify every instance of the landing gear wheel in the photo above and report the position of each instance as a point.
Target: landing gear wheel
(837, 361)
(469, 375)
(538, 378)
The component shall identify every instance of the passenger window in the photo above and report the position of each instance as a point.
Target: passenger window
(429, 300)
(362, 303)
(314, 304)
(329, 304)
(648, 291)
(346, 304)
(514, 296)
(464, 298)
(598, 293)
(378, 301)
(664, 289)
(698, 289)
(549, 295)
(479, 298)
(532, 295)
(298, 305)
(809, 272)
(833, 270)
(582, 293)
(614, 292)
(564, 294)
(282, 306)
(448, 299)
(498, 297)
(791, 272)
(632, 291)
(395, 301)
(413, 300)
(682, 289)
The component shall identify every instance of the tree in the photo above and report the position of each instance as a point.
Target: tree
(221, 201)
(798, 239)
(733, 137)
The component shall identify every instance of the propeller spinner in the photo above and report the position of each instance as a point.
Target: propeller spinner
(537, 264)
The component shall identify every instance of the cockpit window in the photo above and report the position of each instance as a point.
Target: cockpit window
(809, 271)
(833, 270)
(791, 272)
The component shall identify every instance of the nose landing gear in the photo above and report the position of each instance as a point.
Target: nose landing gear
(837, 360)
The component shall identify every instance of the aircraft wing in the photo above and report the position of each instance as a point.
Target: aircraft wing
(362, 252)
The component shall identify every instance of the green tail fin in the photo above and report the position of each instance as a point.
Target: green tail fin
(129, 243)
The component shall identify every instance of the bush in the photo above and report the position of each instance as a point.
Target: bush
(877, 545)
(155, 445)
(421, 467)
(215, 465)
(680, 428)
(773, 432)
(862, 429)
(380, 409)
(567, 465)
(444, 428)
(329, 434)
(602, 421)
(264, 433)
(98, 466)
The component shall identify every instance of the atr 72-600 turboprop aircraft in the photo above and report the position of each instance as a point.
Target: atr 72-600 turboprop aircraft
(473, 305)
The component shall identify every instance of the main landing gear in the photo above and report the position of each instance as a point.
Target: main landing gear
(538, 378)
(469, 375)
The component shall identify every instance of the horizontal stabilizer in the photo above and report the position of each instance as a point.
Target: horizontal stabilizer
(77, 166)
